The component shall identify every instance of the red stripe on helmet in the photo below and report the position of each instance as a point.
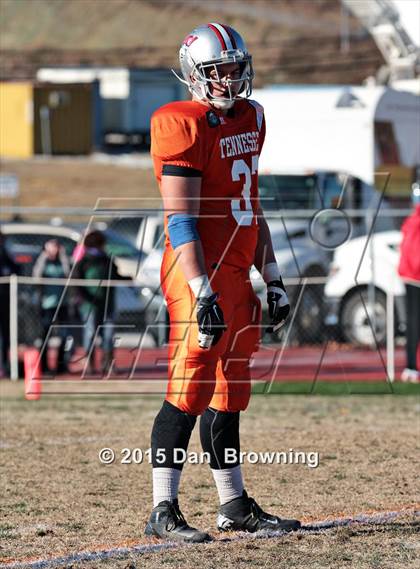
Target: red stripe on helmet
(219, 35)
(230, 34)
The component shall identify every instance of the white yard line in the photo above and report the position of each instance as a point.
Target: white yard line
(123, 552)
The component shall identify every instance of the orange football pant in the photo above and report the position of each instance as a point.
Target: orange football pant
(219, 377)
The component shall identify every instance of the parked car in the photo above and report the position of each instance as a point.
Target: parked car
(30, 238)
(298, 256)
(334, 192)
(145, 232)
(24, 241)
(361, 275)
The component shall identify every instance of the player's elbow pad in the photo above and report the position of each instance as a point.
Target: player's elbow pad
(182, 228)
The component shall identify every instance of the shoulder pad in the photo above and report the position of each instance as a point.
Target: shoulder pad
(174, 130)
(259, 109)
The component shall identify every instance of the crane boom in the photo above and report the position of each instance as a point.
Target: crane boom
(382, 20)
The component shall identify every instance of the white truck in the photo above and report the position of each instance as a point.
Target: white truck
(358, 285)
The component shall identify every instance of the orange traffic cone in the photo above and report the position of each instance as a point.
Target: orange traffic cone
(33, 374)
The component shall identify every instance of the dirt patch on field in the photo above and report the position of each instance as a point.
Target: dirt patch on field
(59, 499)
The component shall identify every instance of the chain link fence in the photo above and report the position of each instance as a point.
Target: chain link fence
(135, 324)
(340, 273)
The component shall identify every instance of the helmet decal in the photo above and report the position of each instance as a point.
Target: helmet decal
(189, 39)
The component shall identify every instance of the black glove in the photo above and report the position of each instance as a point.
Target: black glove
(211, 324)
(278, 305)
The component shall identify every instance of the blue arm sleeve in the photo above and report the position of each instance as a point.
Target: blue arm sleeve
(182, 228)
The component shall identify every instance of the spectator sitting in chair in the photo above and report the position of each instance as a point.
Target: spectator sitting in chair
(53, 263)
(98, 301)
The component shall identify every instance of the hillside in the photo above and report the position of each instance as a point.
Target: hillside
(293, 41)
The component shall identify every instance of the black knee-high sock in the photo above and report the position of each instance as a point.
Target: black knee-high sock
(171, 430)
(219, 433)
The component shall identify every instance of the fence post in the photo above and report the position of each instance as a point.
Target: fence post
(390, 340)
(14, 356)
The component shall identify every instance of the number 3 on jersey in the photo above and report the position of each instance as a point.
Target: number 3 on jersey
(241, 168)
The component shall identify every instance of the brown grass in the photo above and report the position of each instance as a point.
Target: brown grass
(78, 182)
(391, 547)
(59, 499)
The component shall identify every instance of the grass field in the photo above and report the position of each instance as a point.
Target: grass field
(59, 499)
(78, 182)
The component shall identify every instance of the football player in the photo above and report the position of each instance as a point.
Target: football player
(205, 154)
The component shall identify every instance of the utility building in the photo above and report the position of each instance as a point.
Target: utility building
(127, 99)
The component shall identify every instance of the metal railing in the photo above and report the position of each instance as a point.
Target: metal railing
(151, 317)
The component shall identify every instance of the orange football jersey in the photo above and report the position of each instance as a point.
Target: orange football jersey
(225, 149)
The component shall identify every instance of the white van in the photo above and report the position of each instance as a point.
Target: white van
(361, 275)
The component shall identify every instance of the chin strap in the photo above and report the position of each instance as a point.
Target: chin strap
(221, 105)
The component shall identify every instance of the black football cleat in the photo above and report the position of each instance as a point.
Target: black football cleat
(244, 514)
(167, 522)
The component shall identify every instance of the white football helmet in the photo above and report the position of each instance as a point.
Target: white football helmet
(203, 51)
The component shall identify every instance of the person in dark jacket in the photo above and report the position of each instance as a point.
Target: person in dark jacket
(409, 271)
(7, 267)
(53, 263)
(98, 301)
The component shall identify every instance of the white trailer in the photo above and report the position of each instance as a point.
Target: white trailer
(352, 130)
